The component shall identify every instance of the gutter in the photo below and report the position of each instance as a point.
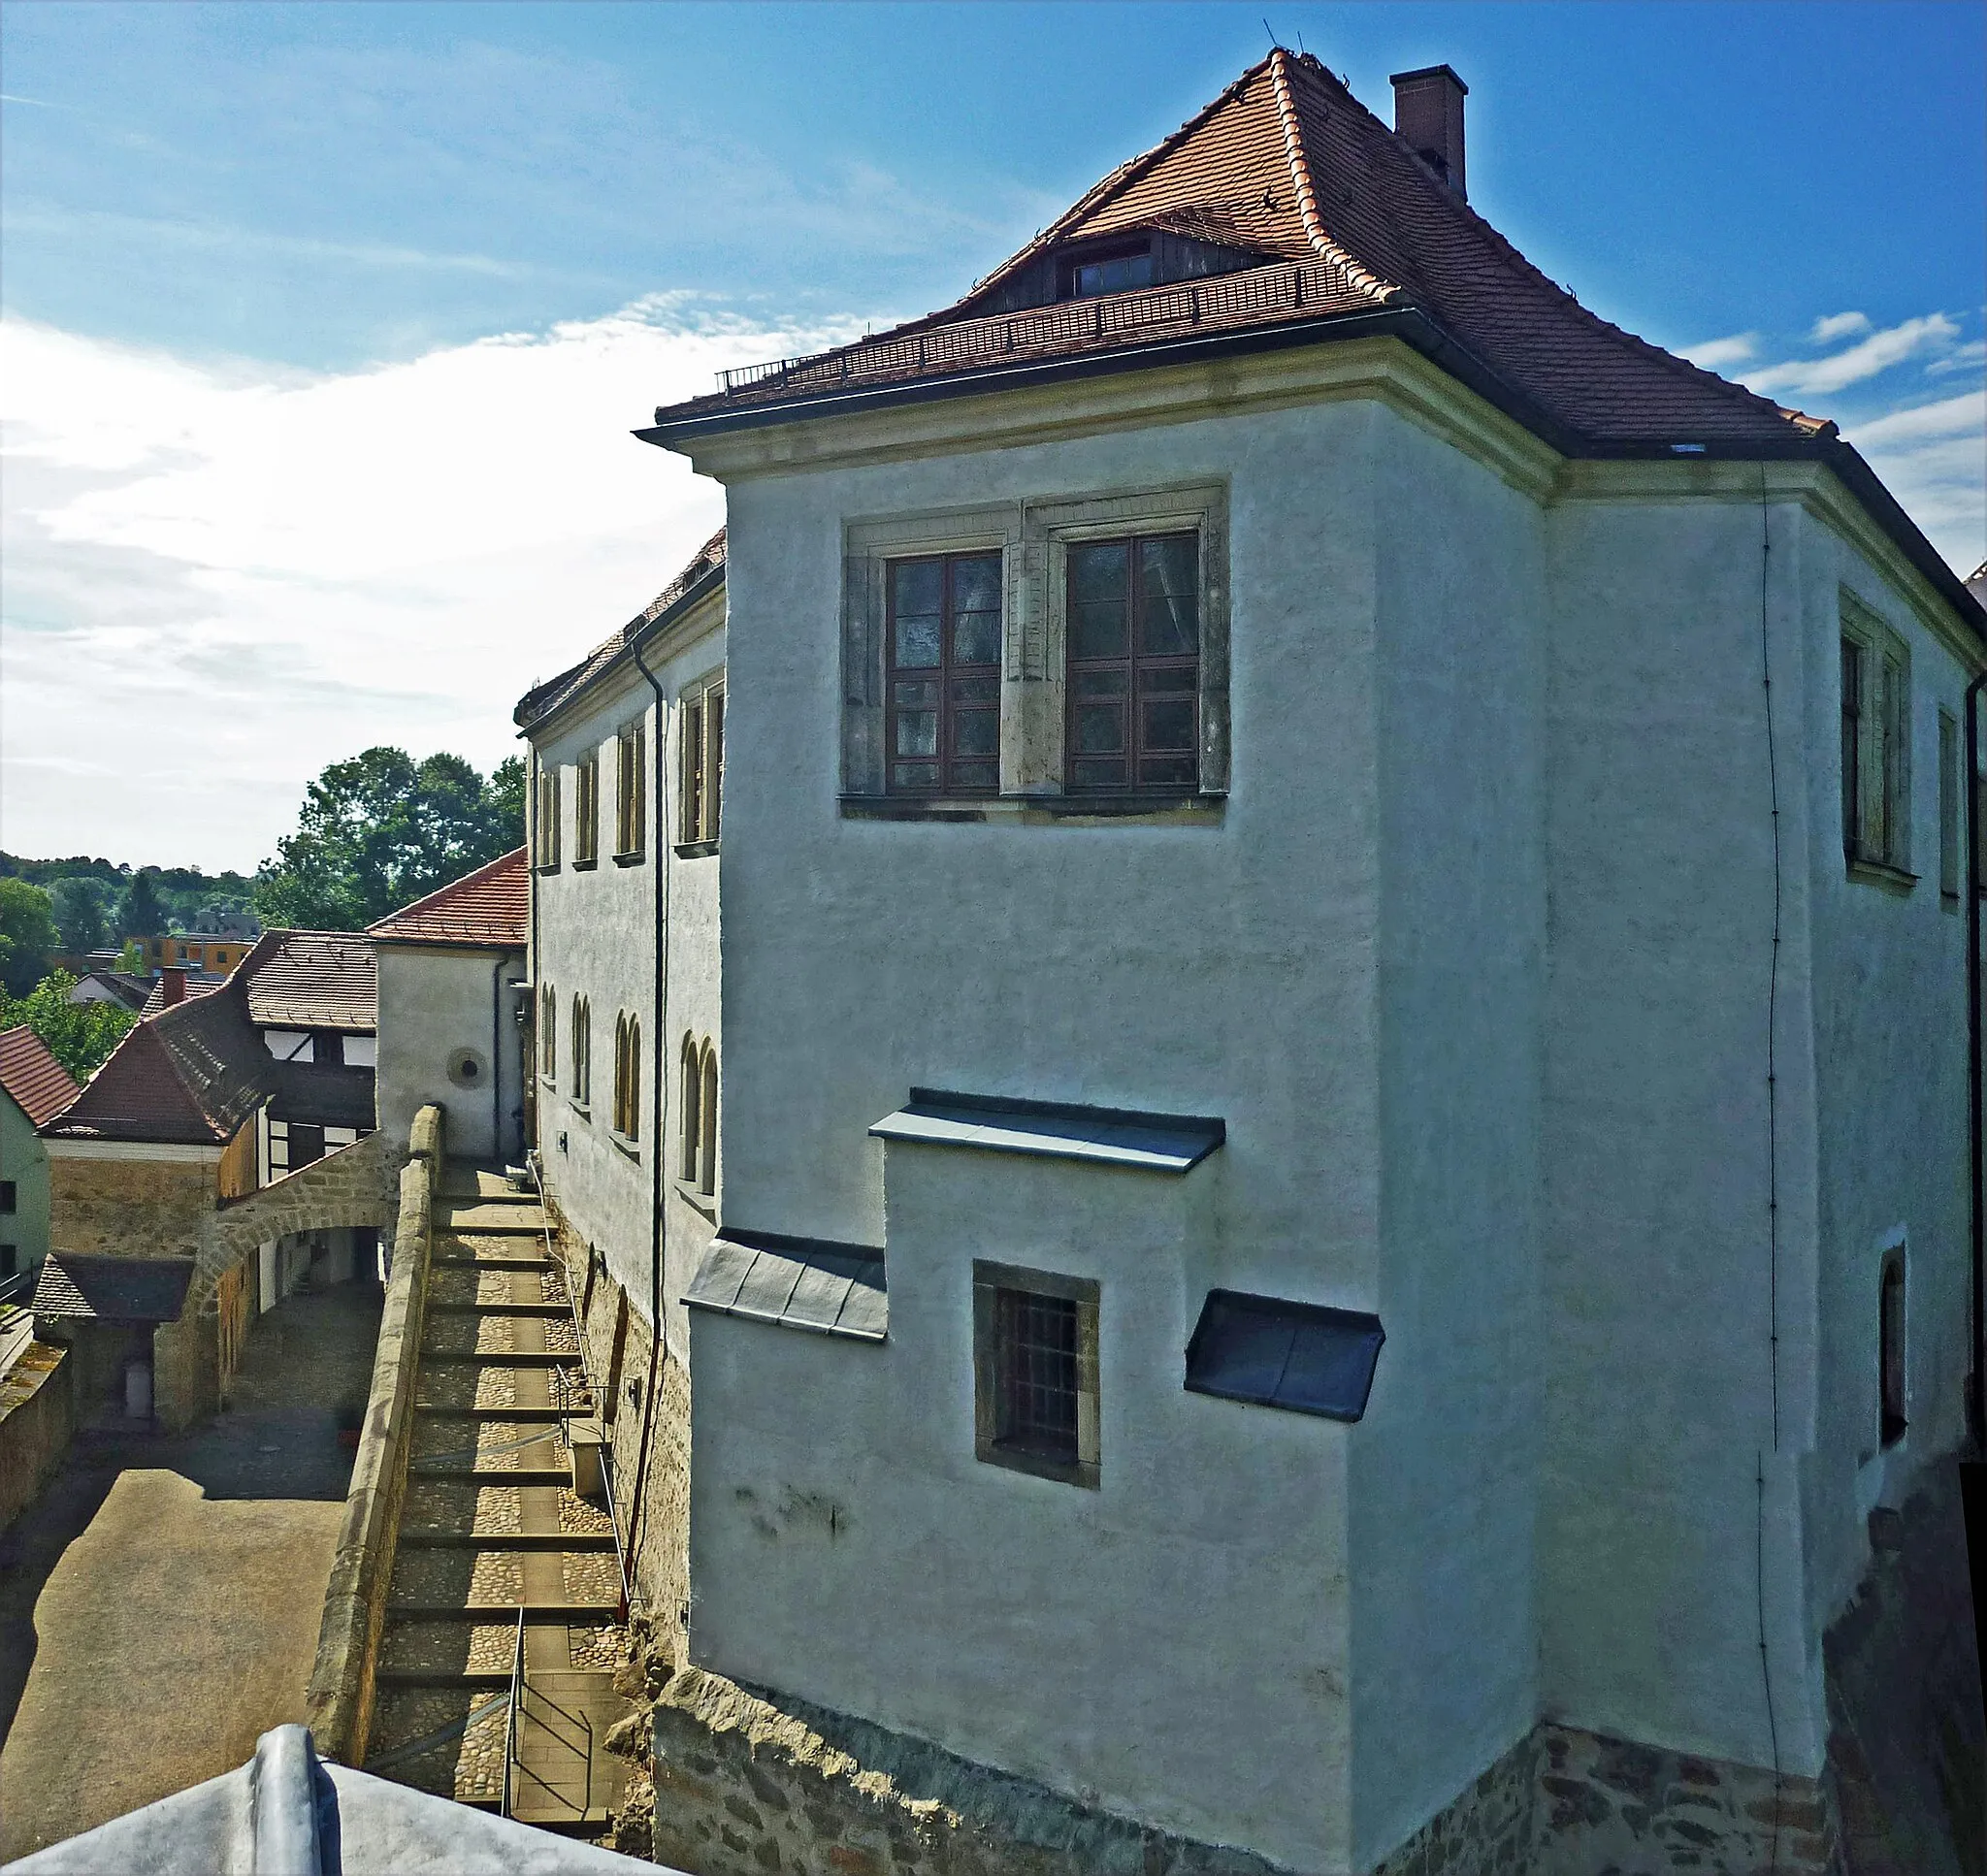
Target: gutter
(1414, 327)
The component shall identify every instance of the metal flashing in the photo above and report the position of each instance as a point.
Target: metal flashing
(1303, 1357)
(1157, 1143)
(808, 1284)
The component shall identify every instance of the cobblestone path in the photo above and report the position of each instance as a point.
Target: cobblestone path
(492, 1530)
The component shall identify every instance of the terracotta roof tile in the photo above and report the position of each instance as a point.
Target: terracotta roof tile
(311, 979)
(1291, 166)
(544, 698)
(196, 986)
(41, 1086)
(491, 906)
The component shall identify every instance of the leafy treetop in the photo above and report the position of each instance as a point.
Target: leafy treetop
(79, 1035)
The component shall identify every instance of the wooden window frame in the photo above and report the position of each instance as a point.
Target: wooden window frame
(1875, 759)
(545, 854)
(692, 1068)
(991, 1383)
(700, 767)
(707, 1122)
(628, 1075)
(579, 1046)
(1134, 666)
(630, 791)
(548, 1036)
(586, 810)
(1951, 821)
(950, 677)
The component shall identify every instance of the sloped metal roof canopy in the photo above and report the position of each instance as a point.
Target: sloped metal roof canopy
(1157, 1143)
(806, 1283)
(1299, 1356)
(113, 1289)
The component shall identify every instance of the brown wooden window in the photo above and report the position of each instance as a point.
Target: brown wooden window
(942, 640)
(548, 1034)
(630, 792)
(1875, 759)
(707, 1115)
(1852, 748)
(1948, 808)
(1135, 665)
(548, 830)
(690, 1105)
(626, 1074)
(702, 755)
(1890, 1356)
(580, 1092)
(586, 809)
(1035, 1372)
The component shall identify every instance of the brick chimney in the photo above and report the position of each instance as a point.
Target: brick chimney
(1428, 114)
(172, 985)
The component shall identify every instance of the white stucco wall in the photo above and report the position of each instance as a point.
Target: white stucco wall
(596, 937)
(434, 1000)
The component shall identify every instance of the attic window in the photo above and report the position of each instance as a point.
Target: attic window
(1116, 271)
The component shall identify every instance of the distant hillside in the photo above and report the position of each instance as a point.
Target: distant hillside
(182, 892)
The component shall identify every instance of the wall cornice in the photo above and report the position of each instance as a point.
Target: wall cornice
(152, 1150)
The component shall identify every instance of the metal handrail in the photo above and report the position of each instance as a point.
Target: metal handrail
(510, 1719)
(585, 1752)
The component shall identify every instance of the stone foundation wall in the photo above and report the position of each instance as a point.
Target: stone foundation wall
(747, 1785)
(36, 1415)
(659, 1533)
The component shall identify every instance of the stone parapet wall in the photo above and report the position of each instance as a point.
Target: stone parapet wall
(36, 1416)
(356, 1185)
(338, 1703)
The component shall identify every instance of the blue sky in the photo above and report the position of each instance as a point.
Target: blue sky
(271, 272)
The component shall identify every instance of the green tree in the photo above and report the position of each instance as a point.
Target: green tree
(380, 830)
(142, 915)
(82, 907)
(79, 1035)
(27, 934)
(131, 959)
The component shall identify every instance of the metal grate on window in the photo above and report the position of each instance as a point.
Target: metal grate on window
(1036, 1357)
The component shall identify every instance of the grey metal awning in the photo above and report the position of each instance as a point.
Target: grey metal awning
(829, 1289)
(1157, 1143)
(1300, 1357)
(86, 1284)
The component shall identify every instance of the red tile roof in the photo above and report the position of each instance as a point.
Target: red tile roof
(491, 906)
(1344, 219)
(189, 1076)
(196, 986)
(311, 979)
(41, 1086)
(544, 698)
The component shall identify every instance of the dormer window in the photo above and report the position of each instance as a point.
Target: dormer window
(1111, 270)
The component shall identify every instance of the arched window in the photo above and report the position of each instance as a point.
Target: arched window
(707, 1115)
(1890, 1349)
(548, 1034)
(628, 1103)
(582, 1050)
(693, 1091)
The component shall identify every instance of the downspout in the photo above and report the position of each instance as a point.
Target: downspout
(497, 1063)
(659, 1342)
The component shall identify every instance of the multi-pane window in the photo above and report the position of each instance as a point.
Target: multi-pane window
(1948, 807)
(707, 1117)
(581, 1090)
(586, 809)
(546, 829)
(942, 651)
(1135, 665)
(697, 1165)
(1035, 1371)
(626, 1074)
(549, 1033)
(701, 754)
(1875, 742)
(630, 792)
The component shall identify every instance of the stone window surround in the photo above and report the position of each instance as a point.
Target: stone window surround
(989, 1280)
(1862, 624)
(1032, 537)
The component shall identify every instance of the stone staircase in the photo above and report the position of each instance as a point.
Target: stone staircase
(496, 1552)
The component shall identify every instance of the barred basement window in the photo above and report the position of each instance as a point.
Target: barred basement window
(942, 637)
(1135, 665)
(1035, 1372)
(586, 809)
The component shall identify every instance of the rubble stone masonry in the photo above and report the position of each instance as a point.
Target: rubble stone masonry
(128, 1208)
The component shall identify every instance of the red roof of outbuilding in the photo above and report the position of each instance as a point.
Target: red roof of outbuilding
(490, 907)
(41, 1086)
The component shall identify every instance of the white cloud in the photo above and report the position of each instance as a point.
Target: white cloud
(1933, 457)
(219, 578)
(1714, 354)
(1961, 358)
(1893, 346)
(1838, 325)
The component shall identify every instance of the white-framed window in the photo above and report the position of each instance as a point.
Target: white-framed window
(545, 822)
(1876, 745)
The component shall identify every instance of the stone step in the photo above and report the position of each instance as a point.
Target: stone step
(492, 1260)
(501, 1358)
(477, 1680)
(492, 1475)
(585, 1614)
(481, 1216)
(533, 1540)
(507, 1414)
(550, 1309)
(555, 1822)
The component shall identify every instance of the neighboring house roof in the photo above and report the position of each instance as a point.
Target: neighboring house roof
(41, 1086)
(112, 1289)
(197, 984)
(113, 987)
(313, 980)
(491, 906)
(541, 699)
(1344, 232)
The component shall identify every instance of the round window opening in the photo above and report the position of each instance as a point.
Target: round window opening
(467, 1068)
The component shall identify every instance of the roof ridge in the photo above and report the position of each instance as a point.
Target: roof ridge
(1305, 183)
(508, 858)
